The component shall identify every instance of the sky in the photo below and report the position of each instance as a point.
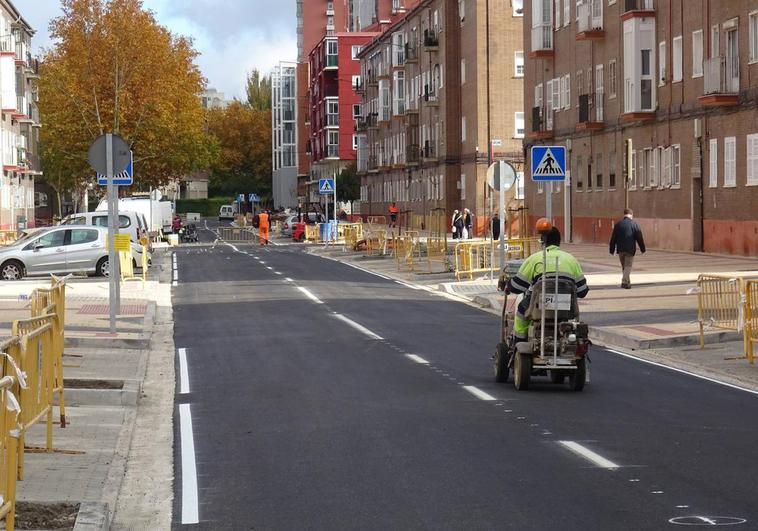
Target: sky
(232, 36)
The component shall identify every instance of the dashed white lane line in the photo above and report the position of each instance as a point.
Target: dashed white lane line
(189, 470)
(417, 359)
(288, 279)
(589, 455)
(481, 395)
(269, 268)
(310, 295)
(675, 369)
(184, 387)
(362, 329)
(277, 272)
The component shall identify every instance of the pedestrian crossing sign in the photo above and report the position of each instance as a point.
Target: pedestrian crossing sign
(548, 163)
(326, 186)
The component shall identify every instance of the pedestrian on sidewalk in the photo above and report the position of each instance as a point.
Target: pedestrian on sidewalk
(468, 221)
(457, 224)
(393, 214)
(627, 235)
(263, 225)
(495, 226)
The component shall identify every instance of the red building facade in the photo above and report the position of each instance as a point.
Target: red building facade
(334, 102)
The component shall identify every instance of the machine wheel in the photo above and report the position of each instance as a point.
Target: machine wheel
(557, 377)
(103, 267)
(522, 370)
(578, 377)
(12, 270)
(500, 363)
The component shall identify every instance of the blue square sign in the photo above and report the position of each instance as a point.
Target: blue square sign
(548, 163)
(325, 186)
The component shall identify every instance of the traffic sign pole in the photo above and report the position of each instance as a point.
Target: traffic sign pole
(114, 302)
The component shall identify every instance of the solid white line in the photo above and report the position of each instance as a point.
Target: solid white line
(189, 471)
(675, 369)
(417, 359)
(174, 283)
(184, 387)
(310, 295)
(589, 455)
(359, 268)
(408, 285)
(288, 279)
(362, 329)
(176, 275)
(479, 393)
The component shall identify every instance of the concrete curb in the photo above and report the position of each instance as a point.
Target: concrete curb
(127, 396)
(613, 338)
(93, 516)
(138, 343)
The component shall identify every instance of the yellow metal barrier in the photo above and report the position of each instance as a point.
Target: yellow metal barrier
(473, 257)
(8, 236)
(720, 303)
(436, 251)
(351, 233)
(236, 235)
(751, 318)
(9, 448)
(407, 251)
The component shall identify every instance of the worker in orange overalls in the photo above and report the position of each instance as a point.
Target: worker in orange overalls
(263, 224)
(393, 214)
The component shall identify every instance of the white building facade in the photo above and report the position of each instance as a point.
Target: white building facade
(284, 136)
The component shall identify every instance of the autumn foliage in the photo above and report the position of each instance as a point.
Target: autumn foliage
(113, 68)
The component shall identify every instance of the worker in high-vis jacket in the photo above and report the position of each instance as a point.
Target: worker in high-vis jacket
(263, 226)
(531, 271)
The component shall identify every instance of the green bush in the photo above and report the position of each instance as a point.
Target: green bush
(205, 207)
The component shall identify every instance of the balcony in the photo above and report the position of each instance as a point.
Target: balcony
(430, 96)
(542, 41)
(331, 61)
(371, 121)
(371, 80)
(431, 41)
(412, 155)
(21, 53)
(332, 120)
(411, 107)
(21, 108)
(429, 151)
(590, 21)
(637, 9)
(721, 82)
(361, 125)
(541, 130)
(358, 87)
(589, 120)
(372, 164)
(411, 53)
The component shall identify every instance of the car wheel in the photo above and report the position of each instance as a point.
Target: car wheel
(12, 270)
(103, 267)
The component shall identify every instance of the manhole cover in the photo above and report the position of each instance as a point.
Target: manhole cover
(707, 520)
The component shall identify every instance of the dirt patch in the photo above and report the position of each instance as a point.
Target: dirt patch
(92, 384)
(53, 516)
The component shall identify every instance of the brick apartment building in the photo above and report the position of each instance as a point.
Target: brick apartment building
(317, 19)
(677, 77)
(434, 92)
(284, 140)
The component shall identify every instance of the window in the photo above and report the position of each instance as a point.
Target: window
(355, 142)
(697, 53)
(676, 174)
(357, 111)
(79, 236)
(599, 171)
(519, 124)
(356, 82)
(332, 112)
(579, 85)
(752, 26)
(752, 159)
(632, 175)
(715, 40)
(518, 59)
(612, 79)
(645, 62)
(730, 161)
(462, 9)
(566, 12)
(51, 239)
(518, 8)
(713, 163)
(355, 50)
(578, 172)
(666, 168)
(463, 186)
(102, 221)
(463, 71)
(566, 86)
(463, 128)
(676, 52)
(662, 63)
(557, 14)
(557, 93)
(612, 170)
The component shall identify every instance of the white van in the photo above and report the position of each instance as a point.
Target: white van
(226, 212)
(131, 223)
(159, 214)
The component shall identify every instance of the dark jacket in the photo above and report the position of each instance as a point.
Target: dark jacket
(626, 236)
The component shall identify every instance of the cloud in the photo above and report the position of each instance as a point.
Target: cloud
(233, 36)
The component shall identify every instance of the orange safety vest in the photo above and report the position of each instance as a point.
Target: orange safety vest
(393, 209)
(263, 221)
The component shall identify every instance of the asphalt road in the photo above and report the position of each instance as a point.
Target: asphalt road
(311, 408)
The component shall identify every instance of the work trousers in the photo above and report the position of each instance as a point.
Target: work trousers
(263, 234)
(626, 259)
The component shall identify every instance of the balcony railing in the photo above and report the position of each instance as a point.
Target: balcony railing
(542, 127)
(590, 19)
(430, 95)
(412, 154)
(431, 41)
(542, 38)
(411, 53)
(371, 120)
(430, 151)
(721, 76)
(638, 5)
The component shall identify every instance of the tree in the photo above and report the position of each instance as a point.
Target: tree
(348, 185)
(258, 91)
(243, 134)
(113, 68)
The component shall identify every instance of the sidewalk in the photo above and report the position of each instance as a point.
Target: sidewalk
(657, 318)
(106, 376)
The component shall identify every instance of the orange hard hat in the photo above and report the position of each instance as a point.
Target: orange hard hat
(544, 225)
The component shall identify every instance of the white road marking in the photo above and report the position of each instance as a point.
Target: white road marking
(174, 283)
(481, 395)
(269, 268)
(362, 329)
(310, 295)
(277, 272)
(232, 246)
(417, 359)
(184, 387)
(355, 266)
(176, 275)
(288, 279)
(189, 470)
(589, 455)
(409, 285)
(675, 369)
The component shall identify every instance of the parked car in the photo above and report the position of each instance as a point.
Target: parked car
(61, 249)
(298, 228)
(288, 224)
(131, 223)
(226, 212)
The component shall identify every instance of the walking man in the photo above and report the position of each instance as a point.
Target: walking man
(468, 222)
(393, 214)
(626, 236)
(263, 226)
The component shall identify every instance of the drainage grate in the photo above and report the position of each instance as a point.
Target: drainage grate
(103, 309)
